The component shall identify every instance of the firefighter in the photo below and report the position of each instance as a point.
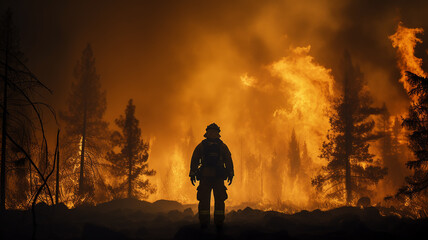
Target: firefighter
(211, 164)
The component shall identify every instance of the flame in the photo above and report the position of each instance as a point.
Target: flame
(256, 121)
(178, 176)
(247, 80)
(80, 145)
(258, 109)
(309, 87)
(175, 184)
(405, 41)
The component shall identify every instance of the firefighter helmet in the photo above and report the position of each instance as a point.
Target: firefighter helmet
(213, 126)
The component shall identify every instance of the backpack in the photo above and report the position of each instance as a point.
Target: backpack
(211, 153)
(212, 161)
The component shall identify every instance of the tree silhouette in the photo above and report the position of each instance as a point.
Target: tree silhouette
(306, 159)
(252, 179)
(396, 128)
(350, 169)
(19, 112)
(276, 170)
(417, 123)
(390, 150)
(131, 160)
(19, 183)
(294, 155)
(86, 132)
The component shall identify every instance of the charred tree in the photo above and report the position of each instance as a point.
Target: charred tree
(351, 169)
(86, 132)
(5, 45)
(131, 162)
(19, 112)
(5, 37)
(417, 123)
(18, 167)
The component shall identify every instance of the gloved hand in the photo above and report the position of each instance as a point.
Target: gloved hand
(193, 179)
(229, 180)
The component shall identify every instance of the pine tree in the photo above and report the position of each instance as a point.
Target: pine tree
(306, 169)
(417, 123)
(351, 169)
(294, 155)
(306, 159)
(86, 132)
(131, 161)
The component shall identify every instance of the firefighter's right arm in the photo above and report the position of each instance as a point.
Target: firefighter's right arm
(194, 163)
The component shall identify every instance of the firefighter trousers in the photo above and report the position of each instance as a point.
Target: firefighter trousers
(204, 198)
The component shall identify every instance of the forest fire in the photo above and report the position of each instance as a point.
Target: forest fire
(321, 108)
(298, 91)
(405, 40)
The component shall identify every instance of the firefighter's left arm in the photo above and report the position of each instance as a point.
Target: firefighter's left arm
(228, 161)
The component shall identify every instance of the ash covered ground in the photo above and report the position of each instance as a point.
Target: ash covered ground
(133, 219)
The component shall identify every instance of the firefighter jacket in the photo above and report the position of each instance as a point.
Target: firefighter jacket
(206, 163)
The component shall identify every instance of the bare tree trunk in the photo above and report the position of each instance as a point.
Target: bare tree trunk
(57, 177)
(4, 127)
(82, 156)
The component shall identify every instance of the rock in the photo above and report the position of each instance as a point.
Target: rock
(188, 212)
(166, 206)
(364, 202)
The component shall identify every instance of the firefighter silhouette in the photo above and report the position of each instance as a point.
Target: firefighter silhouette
(211, 164)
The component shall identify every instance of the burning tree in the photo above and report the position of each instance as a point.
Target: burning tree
(306, 160)
(294, 155)
(391, 150)
(417, 123)
(86, 132)
(350, 169)
(130, 163)
(276, 169)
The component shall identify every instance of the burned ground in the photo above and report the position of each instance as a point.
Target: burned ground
(133, 219)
